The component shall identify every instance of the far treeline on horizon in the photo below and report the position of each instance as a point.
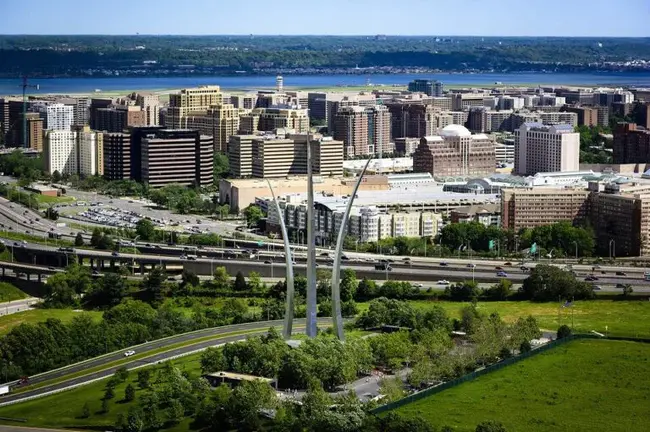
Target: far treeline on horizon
(166, 55)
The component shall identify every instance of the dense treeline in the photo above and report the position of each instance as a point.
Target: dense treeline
(79, 55)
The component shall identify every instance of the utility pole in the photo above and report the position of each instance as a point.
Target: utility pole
(25, 86)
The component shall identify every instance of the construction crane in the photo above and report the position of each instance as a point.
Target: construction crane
(25, 86)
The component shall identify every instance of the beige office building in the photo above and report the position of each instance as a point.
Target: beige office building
(79, 151)
(240, 155)
(220, 121)
(274, 157)
(150, 104)
(455, 152)
(271, 119)
(533, 207)
(191, 101)
(541, 148)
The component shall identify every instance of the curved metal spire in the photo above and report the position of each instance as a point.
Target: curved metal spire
(337, 318)
(288, 314)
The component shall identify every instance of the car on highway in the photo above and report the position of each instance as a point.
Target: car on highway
(267, 262)
(620, 285)
(129, 353)
(115, 253)
(591, 278)
(620, 273)
(524, 268)
(507, 264)
(443, 282)
(324, 254)
(498, 268)
(502, 274)
(444, 264)
(596, 287)
(418, 285)
(95, 272)
(471, 265)
(406, 259)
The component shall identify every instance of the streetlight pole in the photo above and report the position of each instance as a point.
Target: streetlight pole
(576, 243)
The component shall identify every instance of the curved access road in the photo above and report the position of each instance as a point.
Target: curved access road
(216, 335)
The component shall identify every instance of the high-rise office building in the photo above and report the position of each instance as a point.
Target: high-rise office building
(631, 144)
(80, 107)
(276, 157)
(177, 157)
(117, 156)
(34, 130)
(542, 148)
(117, 118)
(455, 152)
(271, 119)
(220, 121)
(191, 100)
(79, 151)
(429, 87)
(245, 101)
(59, 117)
(240, 155)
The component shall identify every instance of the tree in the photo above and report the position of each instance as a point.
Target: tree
(154, 284)
(564, 331)
(175, 411)
(525, 347)
(499, 291)
(190, 278)
(463, 291)
(221, 166)
(109, 393)
(240, 282)
(85, 411)
(627, 290)
(134, 422)
(56, 176)
(51, 214)
(221, 280)
(79, 240)
(490, 426)
(144, 375)
(366, 290)
(349, 285)
(121, 374)
(248, 399)
(58, 293)
(253, 215)
(145, 229)
(212, 360)
(107, 291)
(548, 283)
(255, 282)
(105, 406)
(96, 237)
(129, 393)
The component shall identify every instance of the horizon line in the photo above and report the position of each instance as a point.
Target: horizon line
(323, 35)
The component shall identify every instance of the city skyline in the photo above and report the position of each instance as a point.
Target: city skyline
(363, 17)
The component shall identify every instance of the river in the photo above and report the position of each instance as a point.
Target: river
(245, 82)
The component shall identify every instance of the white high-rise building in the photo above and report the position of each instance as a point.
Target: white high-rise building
(59, 117)
(60, 152)
(74, 152)
(542, 148)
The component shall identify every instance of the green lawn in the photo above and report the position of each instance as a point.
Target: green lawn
(32, 316)
(8, 292)
(63, 410)
(585, 385)
(622, 318)
(45, 199)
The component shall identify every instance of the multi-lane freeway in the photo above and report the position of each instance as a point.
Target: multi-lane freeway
(204, 339)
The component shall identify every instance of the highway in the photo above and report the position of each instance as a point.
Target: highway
(218, 336)
(12, 307)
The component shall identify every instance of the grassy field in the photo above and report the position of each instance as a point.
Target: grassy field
(617, 318)
(587, 385)
(64, 410)
(8, 292)
(33, 316)
(44, 199)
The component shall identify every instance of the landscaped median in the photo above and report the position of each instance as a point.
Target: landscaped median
(135, 357)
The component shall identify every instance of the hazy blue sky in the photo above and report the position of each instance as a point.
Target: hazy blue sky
(349, 17)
